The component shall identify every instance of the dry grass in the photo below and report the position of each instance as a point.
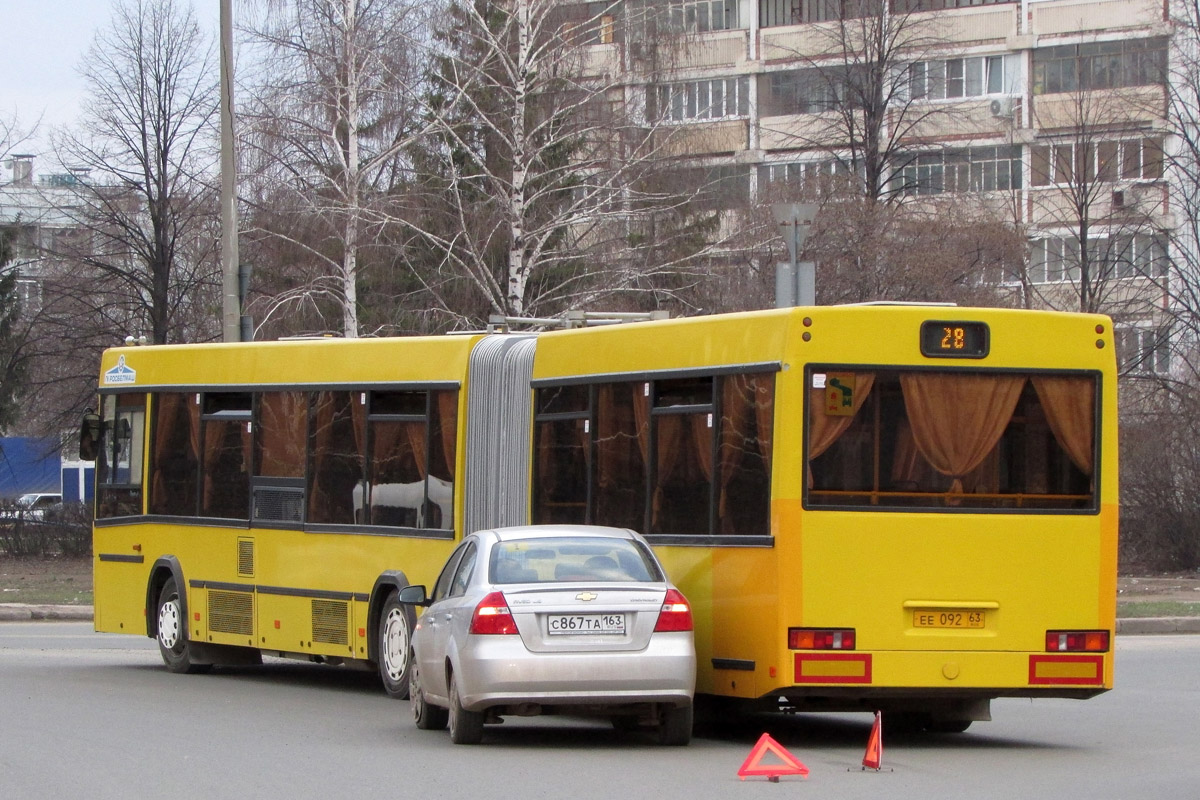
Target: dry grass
(54, 580)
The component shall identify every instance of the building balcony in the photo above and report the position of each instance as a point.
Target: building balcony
(709, 138)
(1102, 108)
(1070, 17)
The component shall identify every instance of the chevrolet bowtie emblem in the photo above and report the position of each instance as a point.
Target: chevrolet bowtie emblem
(586, 596)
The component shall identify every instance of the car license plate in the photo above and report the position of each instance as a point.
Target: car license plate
(576, 624)
(930, 618)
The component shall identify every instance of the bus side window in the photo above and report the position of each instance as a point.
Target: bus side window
(119, 460)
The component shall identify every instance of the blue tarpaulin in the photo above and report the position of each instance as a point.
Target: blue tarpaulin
(29, 465)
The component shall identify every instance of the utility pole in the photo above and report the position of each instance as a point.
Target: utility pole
(795, 281)
(231, 307)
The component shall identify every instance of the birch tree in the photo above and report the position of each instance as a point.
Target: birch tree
(332, 113)
(544, 184)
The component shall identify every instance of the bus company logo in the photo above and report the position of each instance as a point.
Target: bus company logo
(120, 373)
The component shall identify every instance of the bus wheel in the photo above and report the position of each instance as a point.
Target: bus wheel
(394, 648)
(172, 632)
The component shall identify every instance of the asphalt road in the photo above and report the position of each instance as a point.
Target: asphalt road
(86, 715)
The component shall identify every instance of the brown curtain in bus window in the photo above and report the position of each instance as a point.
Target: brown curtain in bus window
(957, 419)
(641, 416)
(910, 470)
(283, 417)
(825, 429)
(701, 430)
(608, 455)
(738, 394)
(764, 416)
(1070, 406)
(323, 410)
(415, 433)
(447, 409)
(669, 433)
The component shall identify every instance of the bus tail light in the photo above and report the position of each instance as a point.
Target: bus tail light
(676, 614)
(1076, 641)
(820, 638)
(492, 616)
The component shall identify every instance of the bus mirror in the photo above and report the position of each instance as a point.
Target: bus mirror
(89, 436)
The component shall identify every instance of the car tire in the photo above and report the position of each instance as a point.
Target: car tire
(395, 647)
(428, 717)
(172, 636)
(466, 727)
(675, 726)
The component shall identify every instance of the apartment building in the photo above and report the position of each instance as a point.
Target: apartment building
(1053, 112)
(34, 213)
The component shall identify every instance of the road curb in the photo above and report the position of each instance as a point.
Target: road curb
(27, 612)
(1153, 625)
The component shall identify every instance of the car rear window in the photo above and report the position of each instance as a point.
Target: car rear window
(570, 559)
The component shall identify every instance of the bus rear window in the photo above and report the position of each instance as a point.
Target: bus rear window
(951, 440)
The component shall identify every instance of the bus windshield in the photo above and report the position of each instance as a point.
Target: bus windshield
(951, 440)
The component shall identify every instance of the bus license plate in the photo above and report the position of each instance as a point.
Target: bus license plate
(948, 619)
(577, 624)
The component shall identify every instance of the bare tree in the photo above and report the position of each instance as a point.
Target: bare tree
(332, 113)
(546, 183)
(1089, 179)
(141, 259)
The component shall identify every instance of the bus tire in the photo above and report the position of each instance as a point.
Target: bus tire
(172, 636)
(675, 725)
(395, 647)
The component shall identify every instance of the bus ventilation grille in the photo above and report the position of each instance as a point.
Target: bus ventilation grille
(276, 504)
(329, 619)
(231, 612)
(245, 558)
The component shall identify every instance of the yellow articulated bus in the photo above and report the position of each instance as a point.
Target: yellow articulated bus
(883, 507)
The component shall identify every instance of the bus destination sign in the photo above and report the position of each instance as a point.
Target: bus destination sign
(954, 339)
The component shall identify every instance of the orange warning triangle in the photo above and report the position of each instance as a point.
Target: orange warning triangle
(874, 754)
(753, 766)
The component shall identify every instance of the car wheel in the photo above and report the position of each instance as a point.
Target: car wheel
(172, 632)
(395, 647)
(428, 717)
(675, 728)
(466, 727)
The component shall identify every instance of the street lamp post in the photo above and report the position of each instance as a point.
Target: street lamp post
(795, 281)
(231, 306)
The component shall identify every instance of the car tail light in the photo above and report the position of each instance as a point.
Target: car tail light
(820, 638)
(492, 616)
(676, 614)
(1077, 641)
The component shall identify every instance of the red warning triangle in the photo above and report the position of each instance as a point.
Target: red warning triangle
(874, 755)
(753, 766)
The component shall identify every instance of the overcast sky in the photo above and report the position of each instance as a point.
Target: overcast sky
(39, 58)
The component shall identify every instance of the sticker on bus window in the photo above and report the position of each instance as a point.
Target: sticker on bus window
(839, 394)
(818, 380)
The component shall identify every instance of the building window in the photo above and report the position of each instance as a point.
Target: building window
(592, 23)
(818, 176)
(808, 91)
(698, 16)
(1122, 256)
(1099, 65)
(719, 98)
(1144, 351)
(797, 12)
(908, 6)
(1103, 160)
(973, 169)
(961, 77)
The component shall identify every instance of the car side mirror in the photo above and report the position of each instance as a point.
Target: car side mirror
(89, 436)
(413, 596)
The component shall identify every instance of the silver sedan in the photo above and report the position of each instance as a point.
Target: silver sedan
(553, 619)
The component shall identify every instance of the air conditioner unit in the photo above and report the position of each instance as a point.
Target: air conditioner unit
(1002, 107)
